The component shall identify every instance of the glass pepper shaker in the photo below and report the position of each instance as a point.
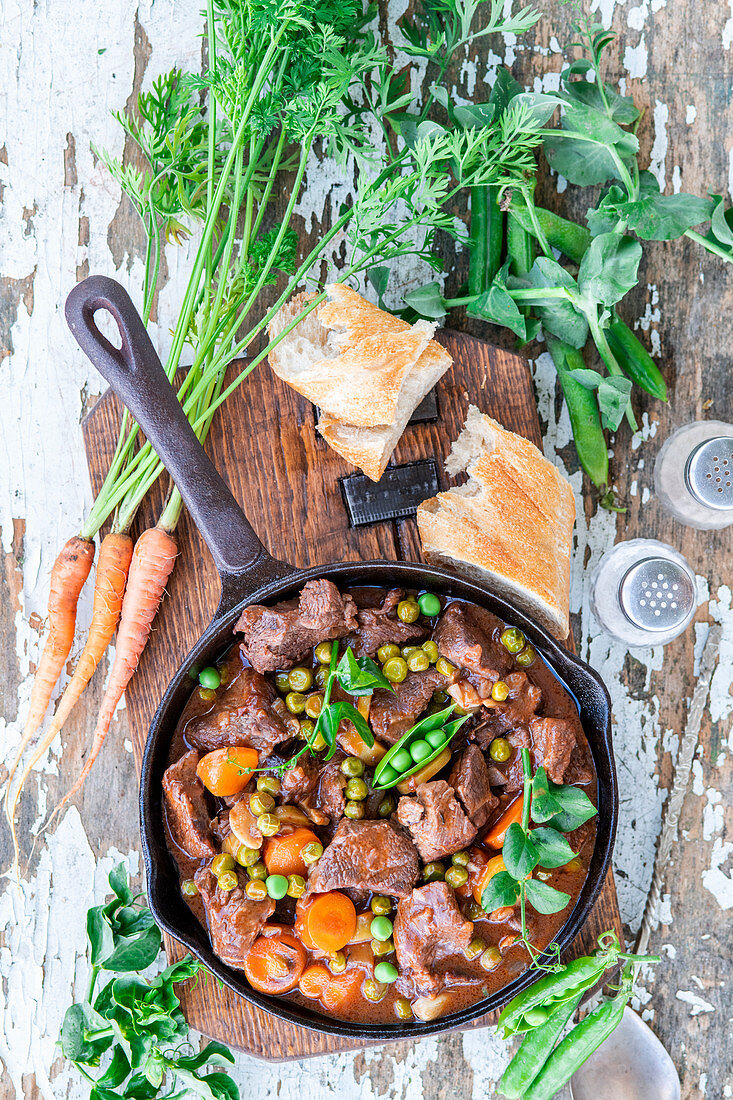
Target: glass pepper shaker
(643, 593)
(693, 475)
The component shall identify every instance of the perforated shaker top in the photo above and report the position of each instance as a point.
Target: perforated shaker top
(709, 473)
(656, 594)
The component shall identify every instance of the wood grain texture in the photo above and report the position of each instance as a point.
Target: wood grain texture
(287, 479)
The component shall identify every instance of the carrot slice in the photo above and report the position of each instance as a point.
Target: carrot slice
(331, 921)
(227, 771)
(332, 990)
(495, 836)
(493, 867)
(274, 964)
(283, 853)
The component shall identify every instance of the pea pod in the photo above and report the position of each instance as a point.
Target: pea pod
(634, 360)
(575, 1049)
(535, 1050)
(520, 246)
(426, 725)
(582, 404)
(558, 988)
(487, 238)
(569, 238)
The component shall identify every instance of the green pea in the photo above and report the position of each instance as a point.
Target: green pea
(352, 767)
(381, 928)
(307, 729)
(261, 802)
(247, 857)
(295, 702)
(431, 649)
(445, 668)
(323, 653)
(499, 691)
(268, 824)
(395, 669)
(386, 972)
(373, 991)
(207, 694)
(257, 871)
(386, 807)
(228, 881)
(337, 963)
(408, 649)
(269, 783)
(500, 750)
(527, 657)
(491, 958)
(536, 1016)
(403, 1008)
(320, 677)
(456, 876)
(380, 905)
(296, 886)
(256, 890)
(433, 872)
(460, 859)
(435, 738)
(224, 862)
(408, 611)
(300, 678)
(429, 604)
(401, 761)
(475, 948)
(357, 790)
(282, 681)
(420, 750)
(209, 678)
(354, 810)
(189, 887)
(513, 640)
(386, 651)
(388, 776)
(382, 947)
(418, 661)
(277, 886)
(312, 852)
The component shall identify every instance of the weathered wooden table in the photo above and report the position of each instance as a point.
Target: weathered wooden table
(62, 218)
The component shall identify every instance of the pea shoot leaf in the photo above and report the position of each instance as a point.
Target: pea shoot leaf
(620, 107)
(428, 301)
(561, 806)
(609, 268)
(552, 848)
(583, 156)
(474, 115)
(544, 803)
(722, 221)
(362, 676)
(498, 306)
(558, 315)
(505, 89)
(604, 217)
(502, 889)
(519, 852)
(545, 898)
(614, 394)
(334, 714)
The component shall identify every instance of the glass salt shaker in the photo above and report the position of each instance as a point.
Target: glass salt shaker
(643, 593)
(693, 475)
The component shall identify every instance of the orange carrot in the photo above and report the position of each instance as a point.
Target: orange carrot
(495, 836)
(227, 771)
(331, 921)
(274, 964)
(68, 575)
(283, 854)
(114, 562)
(152, 561)
(493, 867)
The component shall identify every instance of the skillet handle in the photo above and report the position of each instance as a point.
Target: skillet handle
(135, 373)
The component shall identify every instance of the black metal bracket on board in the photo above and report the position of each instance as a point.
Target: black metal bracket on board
(396, 495)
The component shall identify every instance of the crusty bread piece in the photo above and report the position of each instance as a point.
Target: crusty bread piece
(510, 526)
(365, 369)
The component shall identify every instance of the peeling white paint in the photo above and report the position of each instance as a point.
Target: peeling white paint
(697, 1004)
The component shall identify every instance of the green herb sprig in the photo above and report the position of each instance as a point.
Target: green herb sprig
(555, 809)
(129, 1038)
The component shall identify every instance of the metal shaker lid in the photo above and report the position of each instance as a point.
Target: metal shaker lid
(657, 594)
(709, 473)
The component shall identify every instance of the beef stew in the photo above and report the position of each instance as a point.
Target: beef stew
(366, 896)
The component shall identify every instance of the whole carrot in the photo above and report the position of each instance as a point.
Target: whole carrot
(112, 568)
(68, 575)
(152, 561)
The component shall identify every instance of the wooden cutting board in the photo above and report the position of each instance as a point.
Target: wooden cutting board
(265, 444)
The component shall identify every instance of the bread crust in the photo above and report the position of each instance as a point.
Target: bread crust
(510, 526)
(365, 369)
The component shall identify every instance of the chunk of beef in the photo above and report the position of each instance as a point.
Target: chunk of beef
(428, 929)
(235, 921)
(553, 741)
(280, 636)
(378, 626)
(249, 712)
(468, 636)
(367, 855)
(317, 789)
(435, 820)
(393, 712)
(471, 782)
(185, 808)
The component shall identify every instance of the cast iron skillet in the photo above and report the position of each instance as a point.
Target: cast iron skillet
(250, 575)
